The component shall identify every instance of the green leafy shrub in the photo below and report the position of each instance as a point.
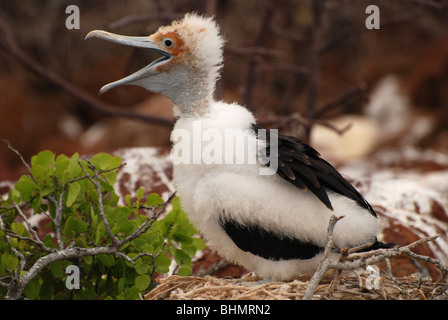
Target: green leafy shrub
(117, 249)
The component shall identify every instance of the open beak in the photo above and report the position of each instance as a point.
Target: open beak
(138, 42)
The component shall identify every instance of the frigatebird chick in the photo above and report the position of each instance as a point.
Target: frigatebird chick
(262, 200)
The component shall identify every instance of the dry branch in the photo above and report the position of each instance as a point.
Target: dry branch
(323, 266)
(351, 260)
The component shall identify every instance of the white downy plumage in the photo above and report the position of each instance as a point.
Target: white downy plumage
(273, 223)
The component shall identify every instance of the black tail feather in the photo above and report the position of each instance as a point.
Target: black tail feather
(378, 245)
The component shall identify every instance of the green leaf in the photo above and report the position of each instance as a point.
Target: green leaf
(133, 293)
(74, 167)
(184, 271)
(74, 225)
(61, 168)
(182, 236)
(36, 204)
(154, 200)
(99, 233)
(72, 193)
(120, 286)
(88, 259)
(189, 249)
(140, 193)
(147, 247)
(26, 186)
(15, 195)
(176, 203)
(141, 268)
(162, 264)
(9, 261)
(115, 162)
(199, 243)
(107, 260)
(69, 226)
(44, 179)
(111, 177)
(32, 289)
(46, 190)
(126, 226)
(18, 227)
(127, 199)
(80, 226)
(142, 282)
(182, 258)
(48, 240)
(44, 159)
(58, 268)
(101, 161)
(115, 214)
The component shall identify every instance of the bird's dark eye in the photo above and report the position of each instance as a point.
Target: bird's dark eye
(168, 42)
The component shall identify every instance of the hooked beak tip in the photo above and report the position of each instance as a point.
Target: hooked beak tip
(103, 90)
(93, 34)
(112, 85)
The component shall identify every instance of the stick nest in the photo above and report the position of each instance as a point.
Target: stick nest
(341, 280)
(350, 286)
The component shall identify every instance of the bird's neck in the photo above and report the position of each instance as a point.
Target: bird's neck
(193, 93)
(192, 106)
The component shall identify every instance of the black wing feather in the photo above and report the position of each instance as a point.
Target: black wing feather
(302, 166)
(267, 244)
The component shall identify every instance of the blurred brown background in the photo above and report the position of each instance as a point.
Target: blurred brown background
(295, 63)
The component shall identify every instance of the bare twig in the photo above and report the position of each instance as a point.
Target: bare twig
(390, 252)
(18, 154)
(323, 266)
(340, 101)
(156, 212)
(361, 260)
(36, 240)
(351, 260)
(97, 185)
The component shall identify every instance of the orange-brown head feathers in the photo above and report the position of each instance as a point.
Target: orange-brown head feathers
(194, 40)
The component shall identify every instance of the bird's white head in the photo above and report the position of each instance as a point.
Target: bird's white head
(191, 57)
